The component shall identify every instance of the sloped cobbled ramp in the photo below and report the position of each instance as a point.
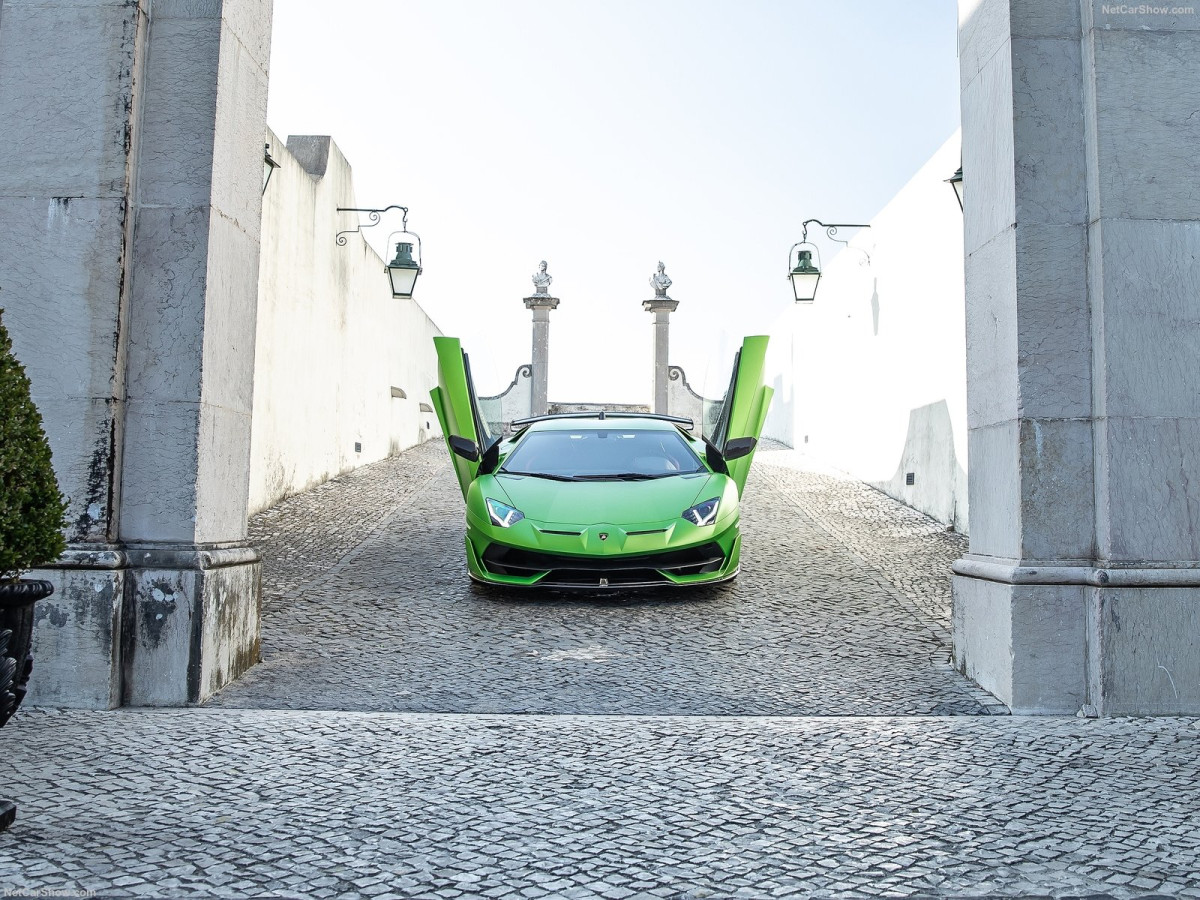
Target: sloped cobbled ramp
(406, 736)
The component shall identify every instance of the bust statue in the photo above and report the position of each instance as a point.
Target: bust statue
(660, 282)
(541, 280)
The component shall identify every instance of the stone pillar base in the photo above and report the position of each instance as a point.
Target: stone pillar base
(145, 626)
(77, 632)
(193, 622)
(1068, 639)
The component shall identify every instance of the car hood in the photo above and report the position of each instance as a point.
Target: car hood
(604, 502)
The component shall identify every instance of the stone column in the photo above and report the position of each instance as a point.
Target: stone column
(662, 306)
(541, 307)
(130, 274)
(540, 302)
(1081, 590)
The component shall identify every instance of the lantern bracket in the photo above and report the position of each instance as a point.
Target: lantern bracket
(373, 215)
(831, 232)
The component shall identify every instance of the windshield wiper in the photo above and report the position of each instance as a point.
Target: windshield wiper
(623, 476)
(539, 475)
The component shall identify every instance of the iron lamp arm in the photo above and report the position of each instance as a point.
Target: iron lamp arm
(374, 216)
(831, 230)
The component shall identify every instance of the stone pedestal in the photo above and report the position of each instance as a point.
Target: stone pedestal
(541, 304)
(130, 277)
(193, 613)
(662, 306)
(1081, 590)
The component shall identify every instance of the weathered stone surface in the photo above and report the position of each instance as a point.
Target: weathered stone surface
(191, 629)
(995, 497)
(166, 331)
(1149, 490)
(1148, 288)
(1053, 355)
(989, 159)
(311, 151)
(77, 640)
(1145, 100)
(1056, 517)
(66, 122)
(1090, 475)
(342, 370)
(985, 26)
(1024, 643)
(540, 379)
(1048, 131)
(1146, 658)
(938, 476)
(992, 333)
(157, 480)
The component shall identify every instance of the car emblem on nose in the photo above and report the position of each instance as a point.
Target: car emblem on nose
(604, 535)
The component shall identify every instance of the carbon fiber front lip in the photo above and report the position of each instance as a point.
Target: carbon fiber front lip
(608, 588)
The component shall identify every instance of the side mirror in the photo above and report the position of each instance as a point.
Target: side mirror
(468, 450)
(739, 447)
(713, 456)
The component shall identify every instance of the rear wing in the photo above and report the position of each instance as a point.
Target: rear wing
(605, 414)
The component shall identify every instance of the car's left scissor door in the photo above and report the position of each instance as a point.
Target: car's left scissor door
(457, 409)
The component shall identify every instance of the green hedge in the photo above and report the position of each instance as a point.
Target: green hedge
(31, 505)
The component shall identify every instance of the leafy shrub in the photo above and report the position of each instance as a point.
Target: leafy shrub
(31, 505)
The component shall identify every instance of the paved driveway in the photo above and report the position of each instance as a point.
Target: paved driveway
(752, 744)
(842, 608)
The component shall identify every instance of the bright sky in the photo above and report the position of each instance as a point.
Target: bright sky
(603, 136)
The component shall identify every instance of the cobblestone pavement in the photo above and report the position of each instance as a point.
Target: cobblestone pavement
(725, 764)
(842, 608)
(253, 803)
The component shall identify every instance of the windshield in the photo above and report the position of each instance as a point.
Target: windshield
(610, 453)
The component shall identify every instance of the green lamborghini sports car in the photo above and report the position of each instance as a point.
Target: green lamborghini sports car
(602, 500)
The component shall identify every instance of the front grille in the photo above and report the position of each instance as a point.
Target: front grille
(588, 570)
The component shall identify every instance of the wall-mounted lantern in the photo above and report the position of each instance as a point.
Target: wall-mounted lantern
(269, 166)
(806, 274)
(403, 269)
(956, 182)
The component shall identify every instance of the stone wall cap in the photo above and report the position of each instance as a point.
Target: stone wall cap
(194, 557)
(110, 557)
(1173, 575)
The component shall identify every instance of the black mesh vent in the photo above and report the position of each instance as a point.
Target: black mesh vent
(588, 570)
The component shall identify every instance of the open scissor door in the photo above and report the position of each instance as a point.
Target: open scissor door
(742, 412)
(468, 438)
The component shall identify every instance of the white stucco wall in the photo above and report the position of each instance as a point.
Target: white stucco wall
(871, 378)
(332, 343)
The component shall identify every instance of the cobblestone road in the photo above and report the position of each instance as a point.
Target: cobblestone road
(755, 743)
(842, 607)
(241, 803)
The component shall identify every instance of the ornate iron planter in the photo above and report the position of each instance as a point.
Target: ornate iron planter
(16, 655)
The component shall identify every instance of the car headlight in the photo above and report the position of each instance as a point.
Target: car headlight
(502, 514)
(703, 513)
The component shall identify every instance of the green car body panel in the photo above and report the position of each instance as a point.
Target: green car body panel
(454, 403)
(746, 405)
(611, 533)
